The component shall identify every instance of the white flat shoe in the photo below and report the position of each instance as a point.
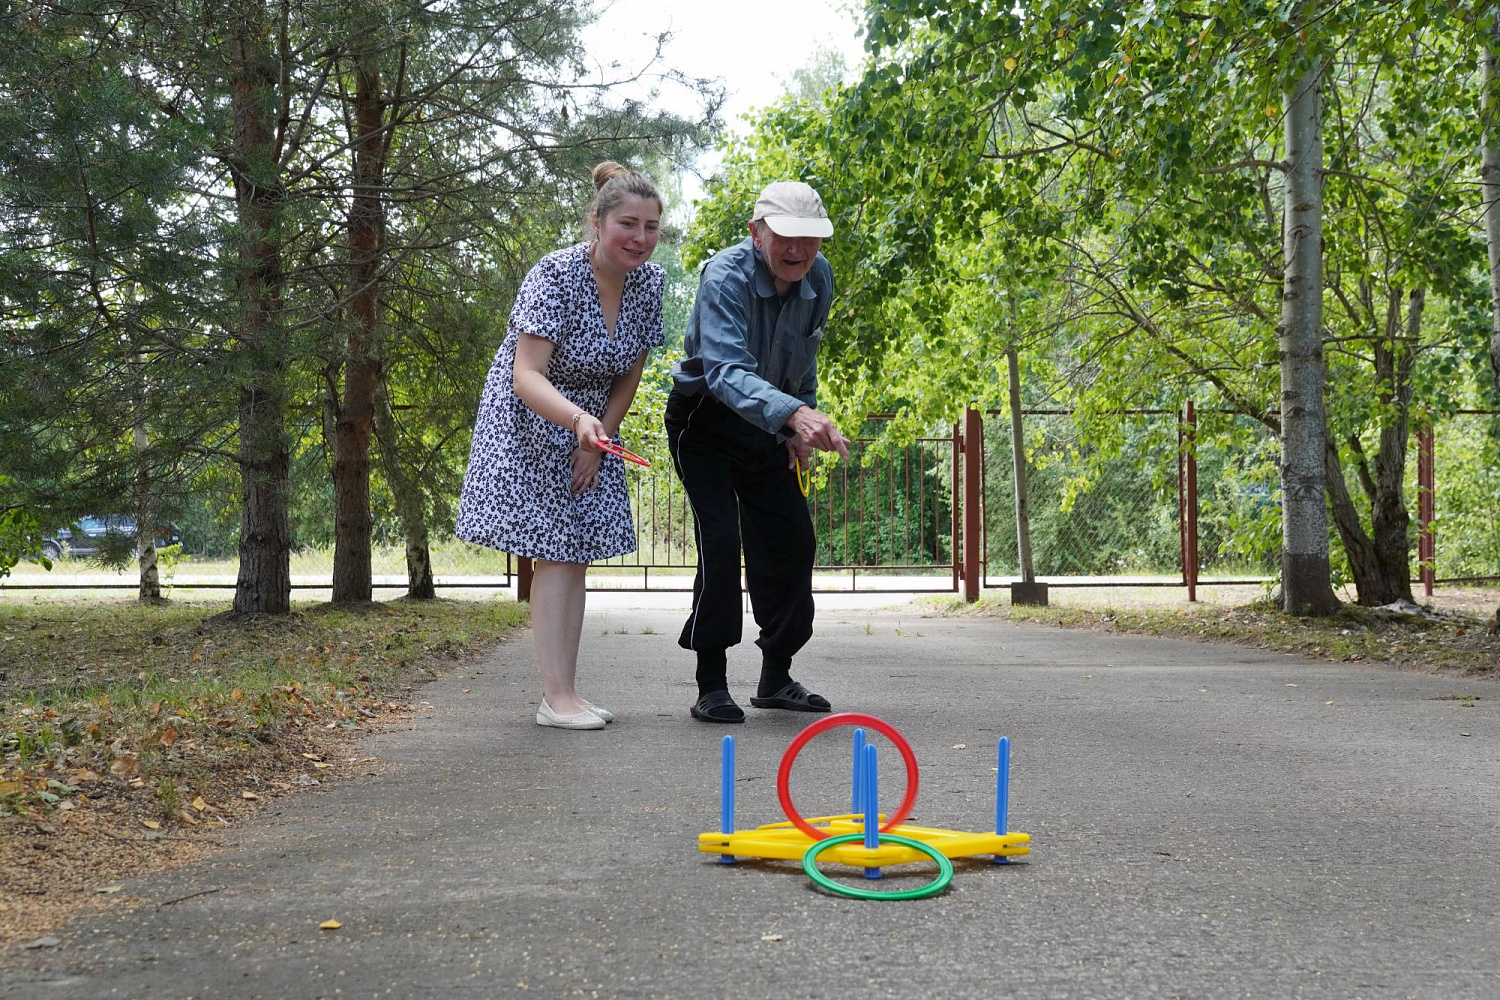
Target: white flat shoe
(604, 714)
(586, 719)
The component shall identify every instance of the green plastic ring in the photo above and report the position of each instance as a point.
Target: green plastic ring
(937, 885)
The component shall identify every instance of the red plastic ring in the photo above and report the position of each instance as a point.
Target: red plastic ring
(784, 773)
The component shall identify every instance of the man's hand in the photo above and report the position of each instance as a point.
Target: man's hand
(814, 430)
(796, 452)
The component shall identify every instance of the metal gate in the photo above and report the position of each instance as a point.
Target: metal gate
(885, 521)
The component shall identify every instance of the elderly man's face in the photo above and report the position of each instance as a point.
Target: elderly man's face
(788, 257)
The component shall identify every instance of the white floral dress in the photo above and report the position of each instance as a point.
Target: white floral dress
(517, 494)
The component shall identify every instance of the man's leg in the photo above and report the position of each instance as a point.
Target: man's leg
(779, 551)
(714, 624)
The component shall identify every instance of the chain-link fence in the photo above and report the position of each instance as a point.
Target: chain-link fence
(1466, 497)
(883, 520)
(1098, 515)
(1116, 514)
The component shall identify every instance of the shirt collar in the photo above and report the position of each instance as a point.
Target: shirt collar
(765, 284)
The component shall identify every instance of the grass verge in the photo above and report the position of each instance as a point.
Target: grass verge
(129, 733)
(1447, 641)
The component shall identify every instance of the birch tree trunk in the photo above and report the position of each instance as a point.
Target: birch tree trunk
(149, 590)
(264, 583)
(1018, 458)
(145, 519)
(1305, 578)
(1489, 178)
(1489, 186)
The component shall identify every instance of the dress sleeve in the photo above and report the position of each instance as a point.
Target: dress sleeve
(654, 332)
(540, 309)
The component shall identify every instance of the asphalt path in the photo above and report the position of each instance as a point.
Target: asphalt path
(1207, 821)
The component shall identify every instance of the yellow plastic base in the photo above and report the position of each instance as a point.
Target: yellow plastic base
(784, 842)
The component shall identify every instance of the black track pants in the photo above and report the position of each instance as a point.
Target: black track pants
(739, 487)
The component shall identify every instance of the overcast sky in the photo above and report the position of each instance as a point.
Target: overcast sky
(753, 47)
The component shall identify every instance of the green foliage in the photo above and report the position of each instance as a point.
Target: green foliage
(1101, 186)
(1467, 525)
(20, 537)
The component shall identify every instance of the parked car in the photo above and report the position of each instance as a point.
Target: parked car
(89, 535)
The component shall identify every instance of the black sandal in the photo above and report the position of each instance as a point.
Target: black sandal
(794, 698)
(717, 706)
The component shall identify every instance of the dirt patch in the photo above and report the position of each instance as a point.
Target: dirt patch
(1453, 635)
(138, 739)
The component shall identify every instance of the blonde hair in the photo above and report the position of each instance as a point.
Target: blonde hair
(613, 183)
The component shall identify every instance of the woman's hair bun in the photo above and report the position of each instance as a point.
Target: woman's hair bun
(607, 171)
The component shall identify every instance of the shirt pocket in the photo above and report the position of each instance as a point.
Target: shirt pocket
(801, 353)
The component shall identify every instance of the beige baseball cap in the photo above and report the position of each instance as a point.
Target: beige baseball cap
(792, 208)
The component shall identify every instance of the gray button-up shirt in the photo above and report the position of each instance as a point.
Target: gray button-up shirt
(751, 349)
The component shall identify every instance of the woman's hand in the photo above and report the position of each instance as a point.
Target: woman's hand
(585, 470)
(590, 432)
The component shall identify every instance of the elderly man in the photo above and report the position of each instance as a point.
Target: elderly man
(742, 421)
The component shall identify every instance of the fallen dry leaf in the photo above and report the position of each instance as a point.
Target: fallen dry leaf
(168, 736)
(311, 756)
(199, 804)
(188, 817)
(320, 765)
(122, 766)
(150, 824)
(247, 794)
(329, 925)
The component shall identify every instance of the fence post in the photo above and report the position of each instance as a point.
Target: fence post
(1182, 557)
(973, 462)
(1426, 486)
(523, 580)
(955, 507)
(1191, 475)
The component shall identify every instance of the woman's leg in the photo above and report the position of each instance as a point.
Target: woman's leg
(557, 599)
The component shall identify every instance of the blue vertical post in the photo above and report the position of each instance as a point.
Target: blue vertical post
(859, 755)
(727, 802)
(1002, 795)
(872, 806)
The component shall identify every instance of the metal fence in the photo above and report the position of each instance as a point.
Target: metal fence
(1154, 509)
(1158, 510)
(1462, 465)
(883, 520)
(1146, 511)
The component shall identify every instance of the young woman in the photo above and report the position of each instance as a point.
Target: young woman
(539, 483)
